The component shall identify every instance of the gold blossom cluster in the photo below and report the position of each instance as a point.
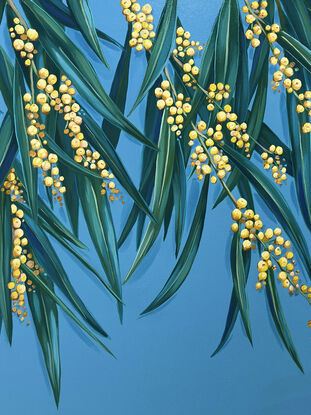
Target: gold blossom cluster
(255, 13)
(141, 19)
(23, 41)
(20, 253)
(272, 160)
(178, 106)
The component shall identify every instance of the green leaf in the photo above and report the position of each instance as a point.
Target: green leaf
(239, 281)
(187, 257)
(301, 157)
(71, 61)
(277, 314)
(161, 49)
(119, 87)
(179, 184)
(98, 217)
(254, 124)
(62, 14)
(5, 266)
(6, 80)
(163, 177)
(43, 286)
(71, 196)
(30, 175)
(83, 16)
(45, 316)
(49, 260)
(274, 200)
(299, 18)
(2, 7)
(227, 46)
(100, 142)
(233, 311)
(48, 216)
(296, 49)
(8, 146)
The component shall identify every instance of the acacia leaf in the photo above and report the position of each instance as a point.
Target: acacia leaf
(98, 217)
(83, 16)
(187, 257)
(8, 146)
(161, 49)
(163, 177)
(45, 317)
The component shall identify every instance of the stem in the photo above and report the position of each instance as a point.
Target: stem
(14, 8)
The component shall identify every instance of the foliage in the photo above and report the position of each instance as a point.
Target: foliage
(217, 107)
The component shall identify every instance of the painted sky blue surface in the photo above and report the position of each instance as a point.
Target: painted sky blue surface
(164, 365)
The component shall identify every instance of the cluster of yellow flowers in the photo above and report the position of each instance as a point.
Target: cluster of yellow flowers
(142, 19)
(202, 157)
(41, 158)
(177, 106)
(251, 224)
(254, 15)
(20, 255)
(186, 50)
(276, 254)
(272, 160)
(23, 41)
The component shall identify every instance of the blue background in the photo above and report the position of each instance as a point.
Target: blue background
(164, 364)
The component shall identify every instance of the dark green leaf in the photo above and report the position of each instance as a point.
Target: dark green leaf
(2, 7)
(30, 175)
(45, 316)
(163, 177)
(82, 14)
(101, 228)
(5, 266)
(239, 281)
(8, 146)
(119, 87)
(296, 49)
(62, 14)
(299, 18)
(48, 259)
(6, 79)
(43, 287)
(179, 184)
(227, 46)
(100, 142)
(276, 311)
(187, 257)
(161, 49)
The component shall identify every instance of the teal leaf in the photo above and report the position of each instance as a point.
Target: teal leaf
(8, 146)
(30, 175)
(239, 281)
(179, 185)
(119, 87)
(163, 177)
(44, 287)
(6, 80)
(278, 317)
(45, 317)
(161, 49)
(83, 16)
(98, 217)
(100, 142)
(227, 46)
(5, 266)
(187, 257)
(50, 262)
